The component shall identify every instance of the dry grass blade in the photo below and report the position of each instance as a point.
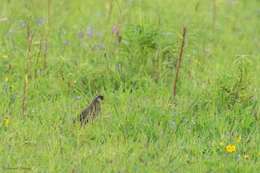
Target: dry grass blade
(28, 70)
(178, 65)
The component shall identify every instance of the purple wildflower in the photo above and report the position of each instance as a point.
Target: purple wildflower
(116, 33)
(80, 35)
(100, 34)
(115, 30)
(66, 42)
(90, 31)
(172, 124)
(99, 46)
(22, 23)
(40, 22)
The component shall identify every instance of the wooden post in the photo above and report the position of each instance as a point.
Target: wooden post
(178, 65)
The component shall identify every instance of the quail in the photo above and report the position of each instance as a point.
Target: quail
(90, 112)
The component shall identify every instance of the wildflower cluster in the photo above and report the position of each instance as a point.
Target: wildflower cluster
(230, 148)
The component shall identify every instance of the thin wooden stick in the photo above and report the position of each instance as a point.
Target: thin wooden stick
(28, 70)
(178, 65)
(25, 93)
(29, 50)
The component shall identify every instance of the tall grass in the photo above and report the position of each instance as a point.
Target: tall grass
(73, 52)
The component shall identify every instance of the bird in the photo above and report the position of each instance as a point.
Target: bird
(91, 111)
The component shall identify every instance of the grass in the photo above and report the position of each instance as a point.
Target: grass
(73, 56)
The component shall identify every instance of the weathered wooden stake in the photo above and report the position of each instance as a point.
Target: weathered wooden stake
(178, 65)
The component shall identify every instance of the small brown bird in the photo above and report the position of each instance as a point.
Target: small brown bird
(90, 112)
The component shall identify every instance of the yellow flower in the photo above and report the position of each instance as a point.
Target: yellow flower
(231, 148)
(6, 79)
(238, 139)
(6, 121)
(246, 157)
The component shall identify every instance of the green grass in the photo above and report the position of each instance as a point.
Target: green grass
(142, 128)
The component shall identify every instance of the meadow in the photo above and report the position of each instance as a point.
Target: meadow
(56, 56)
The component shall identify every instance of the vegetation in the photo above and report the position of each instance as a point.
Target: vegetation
(55, 56)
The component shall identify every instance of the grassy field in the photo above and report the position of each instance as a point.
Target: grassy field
(55, 56)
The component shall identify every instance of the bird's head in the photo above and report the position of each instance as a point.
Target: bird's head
(100, 98)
